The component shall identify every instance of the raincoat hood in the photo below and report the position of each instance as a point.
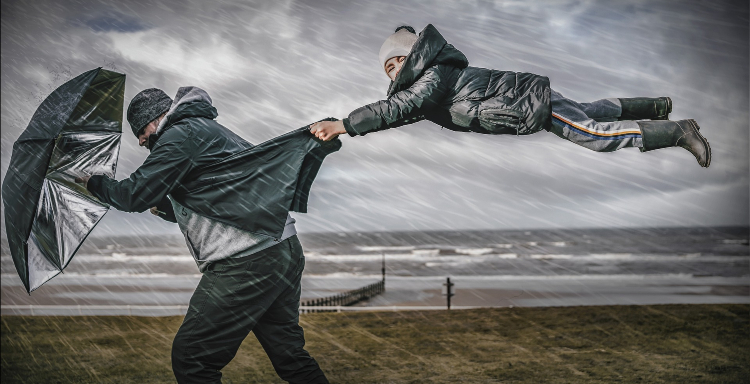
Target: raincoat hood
(189, 102)
(430, 49)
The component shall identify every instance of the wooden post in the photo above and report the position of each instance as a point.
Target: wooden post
(448, 291)
(383, 269)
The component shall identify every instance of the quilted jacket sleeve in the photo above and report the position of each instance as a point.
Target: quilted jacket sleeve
(164, 168)
(404, 107)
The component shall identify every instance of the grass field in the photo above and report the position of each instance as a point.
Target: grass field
(629, 344)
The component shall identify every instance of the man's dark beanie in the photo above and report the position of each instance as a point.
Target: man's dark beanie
(147, 106)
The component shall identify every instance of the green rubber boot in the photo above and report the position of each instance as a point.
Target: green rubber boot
(652, 108)
(682, 133)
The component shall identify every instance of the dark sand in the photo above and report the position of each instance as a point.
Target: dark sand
(601, 344)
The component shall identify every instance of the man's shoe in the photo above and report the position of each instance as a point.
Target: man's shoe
(640, 108)
(683, 133)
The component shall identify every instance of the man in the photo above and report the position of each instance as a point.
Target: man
(432, 80)
(231, 201)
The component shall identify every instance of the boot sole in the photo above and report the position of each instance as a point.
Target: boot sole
(669, 105)
(697, 127)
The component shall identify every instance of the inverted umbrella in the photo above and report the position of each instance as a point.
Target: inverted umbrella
(74, 132)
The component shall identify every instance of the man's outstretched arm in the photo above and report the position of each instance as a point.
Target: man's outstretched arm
(147, 187)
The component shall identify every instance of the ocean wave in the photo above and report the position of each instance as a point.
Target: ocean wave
(122, 257)
(385, 248)
(407, 257)
(470, 255)
(12, 279)
(425, 252)
(474, 251)
(631, 257)
(509, 277)
(344, 275)
(77, 275)
(735, 241)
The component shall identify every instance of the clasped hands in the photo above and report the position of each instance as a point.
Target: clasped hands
(327, 130)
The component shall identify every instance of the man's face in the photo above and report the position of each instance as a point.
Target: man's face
(393, 66)
(147, 131)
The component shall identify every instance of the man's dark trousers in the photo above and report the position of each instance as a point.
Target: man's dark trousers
(258, 293)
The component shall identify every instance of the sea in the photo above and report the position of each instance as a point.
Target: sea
(488, 268)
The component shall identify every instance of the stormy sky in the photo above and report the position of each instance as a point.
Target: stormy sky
(273, 66)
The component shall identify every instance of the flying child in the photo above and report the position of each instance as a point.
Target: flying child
(432, 80)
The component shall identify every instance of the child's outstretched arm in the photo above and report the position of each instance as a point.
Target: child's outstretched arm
(404, 107)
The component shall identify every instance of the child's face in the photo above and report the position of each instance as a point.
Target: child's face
(393, 66)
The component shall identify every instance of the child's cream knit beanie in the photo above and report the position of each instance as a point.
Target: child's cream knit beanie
(397, 44)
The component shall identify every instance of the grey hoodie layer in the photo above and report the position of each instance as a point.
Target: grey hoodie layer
(210, 240)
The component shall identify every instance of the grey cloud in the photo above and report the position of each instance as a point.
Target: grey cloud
(114, 21)
(274, 66)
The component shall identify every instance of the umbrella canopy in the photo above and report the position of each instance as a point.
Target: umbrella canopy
(74, 132)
